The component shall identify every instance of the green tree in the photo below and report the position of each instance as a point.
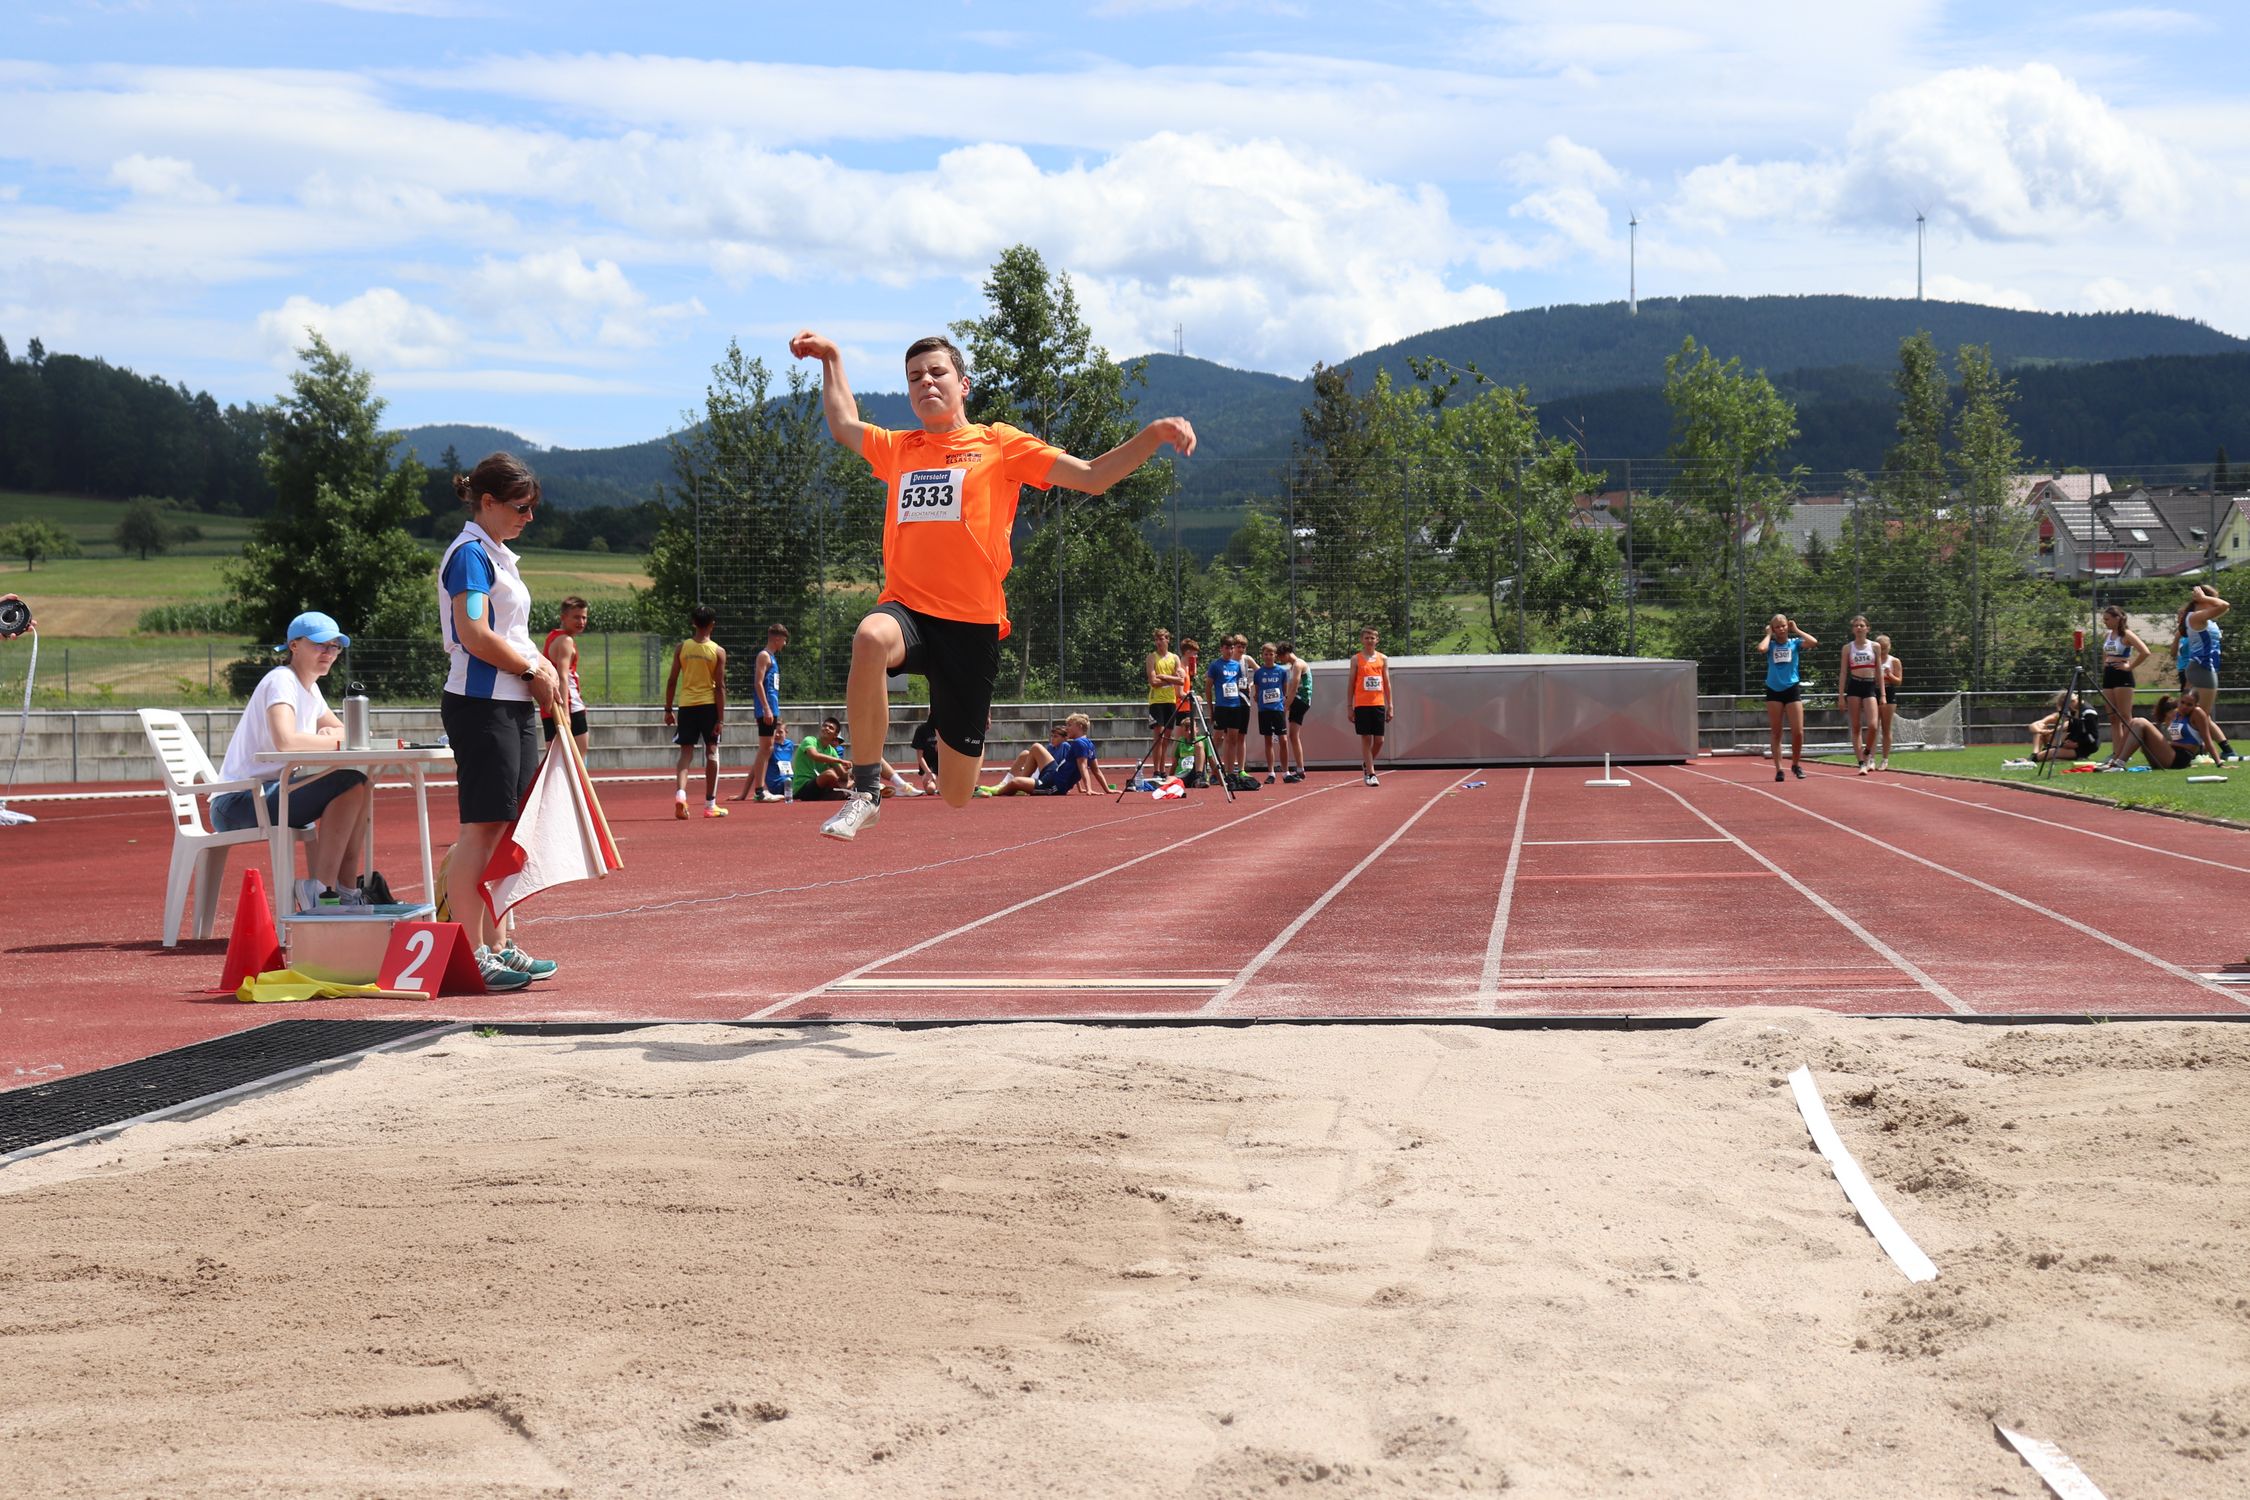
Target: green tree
(339, 536)
(2003, 604)
(35, 539)
(763, 516)
(1720, 534)
(1085, 590)
(144, 528)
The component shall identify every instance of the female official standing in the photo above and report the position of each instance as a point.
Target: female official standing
(1783, 646)
(1862, 677)
(1893, 673)
(2122, 651)
(495, 683)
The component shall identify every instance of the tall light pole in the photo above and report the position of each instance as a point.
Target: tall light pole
(1919, 222)
(1633, 264)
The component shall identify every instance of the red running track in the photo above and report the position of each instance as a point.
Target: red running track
(1697, 888)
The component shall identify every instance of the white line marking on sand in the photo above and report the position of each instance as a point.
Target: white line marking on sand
(1488, 978)
(2009, 812)
(1008, 911)
(1988, 888)
(1891, 955)
(1281, 939)
(2053, 1465)
(1896, 1242)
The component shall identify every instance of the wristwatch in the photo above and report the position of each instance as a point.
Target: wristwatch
(528, 673)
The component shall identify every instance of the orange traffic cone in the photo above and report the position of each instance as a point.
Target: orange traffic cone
(253, 947)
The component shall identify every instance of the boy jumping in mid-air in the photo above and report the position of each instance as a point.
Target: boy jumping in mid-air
(1371, 701)
(699, 675)
(953, 488)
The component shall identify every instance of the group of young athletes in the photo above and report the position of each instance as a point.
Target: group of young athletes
(2176, 731)
(953, 487)
(1870, 673)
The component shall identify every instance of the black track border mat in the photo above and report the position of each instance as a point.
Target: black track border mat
(42, 1112)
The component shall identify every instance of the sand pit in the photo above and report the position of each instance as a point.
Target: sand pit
(1068, 1261)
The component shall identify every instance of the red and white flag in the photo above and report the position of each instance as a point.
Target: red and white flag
(559, 835)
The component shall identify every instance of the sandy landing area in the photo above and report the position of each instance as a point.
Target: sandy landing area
(1056, 1260)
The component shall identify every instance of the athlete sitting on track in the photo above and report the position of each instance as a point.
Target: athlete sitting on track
(953, 488)
(1066, 763)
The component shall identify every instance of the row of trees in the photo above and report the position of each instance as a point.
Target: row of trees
(87, 427)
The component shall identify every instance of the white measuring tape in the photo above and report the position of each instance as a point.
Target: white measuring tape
(1896, 1243)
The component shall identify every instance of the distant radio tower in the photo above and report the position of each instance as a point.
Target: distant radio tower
(1919, 222)
(1179, 338)
(1633, 264)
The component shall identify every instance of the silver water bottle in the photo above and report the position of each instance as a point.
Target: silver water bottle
(355, 717)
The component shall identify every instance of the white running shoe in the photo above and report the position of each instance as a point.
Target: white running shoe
(906, 789)
(860, 810)
(498, 975)
(1371, 781)
(309, 893)
(1886, 765)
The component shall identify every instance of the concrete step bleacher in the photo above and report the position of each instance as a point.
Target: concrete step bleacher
(107, 745)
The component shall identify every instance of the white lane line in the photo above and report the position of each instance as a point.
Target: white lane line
(841, 880)
(1008, 911)
(1892, 956)
(2053, 1465)
(2006, 812)
(1488, 978)
(1582, 843)
(1018, 982)
(1990, 889)
(1896, 1242)
(1281, 939)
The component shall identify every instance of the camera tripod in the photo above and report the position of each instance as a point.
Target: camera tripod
(1200, 738)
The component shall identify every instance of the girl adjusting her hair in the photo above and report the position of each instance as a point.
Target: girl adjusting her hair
(2199, 635)
(1863, 691)
(496, 683)
(2122, 652)
(1783, 646)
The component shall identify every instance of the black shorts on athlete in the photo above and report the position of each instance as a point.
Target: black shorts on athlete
(1793, 693)
(2115, 677)
(698, 725)
(1234, 716)
(767, 724)
(577, 723)
(1368, 719)
(1272, 723)
(1862, 687)
(495, 744)
(1297, 707)
(960, 658)
(1164, 715)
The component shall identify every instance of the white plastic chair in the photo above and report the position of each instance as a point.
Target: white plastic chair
(188, 776)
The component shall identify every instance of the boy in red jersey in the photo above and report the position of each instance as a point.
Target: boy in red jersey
(953, 487)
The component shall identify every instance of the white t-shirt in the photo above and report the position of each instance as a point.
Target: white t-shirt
(253, 737)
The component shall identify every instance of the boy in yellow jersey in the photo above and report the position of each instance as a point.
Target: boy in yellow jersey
(1371, 701)
(1162, 669)
(699, 676)
(953, 487)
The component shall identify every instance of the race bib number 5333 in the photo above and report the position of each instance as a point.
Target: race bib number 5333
(930, 494)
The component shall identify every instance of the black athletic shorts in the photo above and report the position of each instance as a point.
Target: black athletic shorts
(960, 658)
(1368, 719)
(577, 723)
(1231, 716)
(1793, 693)
(2115, 677)
(1164, 715)
(698, 725)
(495, 754)
(1862, 687)
(1272, 721)
(1297, 707)
(767, 724)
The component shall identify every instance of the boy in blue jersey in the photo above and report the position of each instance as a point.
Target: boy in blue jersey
(1230, 706)
(1270, 684)
(765, 707)
(1065, 763)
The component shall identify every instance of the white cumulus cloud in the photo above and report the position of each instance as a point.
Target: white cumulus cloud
(555, 298)
(161, 177)
(379, 328)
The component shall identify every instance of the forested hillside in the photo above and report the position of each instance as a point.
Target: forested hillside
(86, 427)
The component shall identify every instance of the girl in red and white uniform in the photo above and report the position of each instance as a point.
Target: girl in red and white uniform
(1862, 677)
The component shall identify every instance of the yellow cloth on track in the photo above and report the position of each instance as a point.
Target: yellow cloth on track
(288, 984)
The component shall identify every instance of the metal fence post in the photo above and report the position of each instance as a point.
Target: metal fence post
(698, 502)
(1523, 624)
(1406, 559)
(1062, 665)
(1289, 487)
(1632, 574)
(609, 694)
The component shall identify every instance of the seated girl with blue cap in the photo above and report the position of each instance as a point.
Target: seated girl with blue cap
(287, 713)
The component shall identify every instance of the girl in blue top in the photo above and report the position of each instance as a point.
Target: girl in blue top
(1783, 646)
(2199, 663)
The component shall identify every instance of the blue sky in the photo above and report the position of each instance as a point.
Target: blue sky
(552, 216)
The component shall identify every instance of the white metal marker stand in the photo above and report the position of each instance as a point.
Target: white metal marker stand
(1606, 778)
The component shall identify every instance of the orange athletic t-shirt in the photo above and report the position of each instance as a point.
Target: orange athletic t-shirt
(1371, 680)
(952, 505)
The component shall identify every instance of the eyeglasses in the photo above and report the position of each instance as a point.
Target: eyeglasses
(521, 507)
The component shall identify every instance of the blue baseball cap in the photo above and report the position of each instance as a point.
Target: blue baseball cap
(316, 627)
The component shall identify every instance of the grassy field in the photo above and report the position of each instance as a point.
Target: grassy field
(2135, 788)
(100, 595)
